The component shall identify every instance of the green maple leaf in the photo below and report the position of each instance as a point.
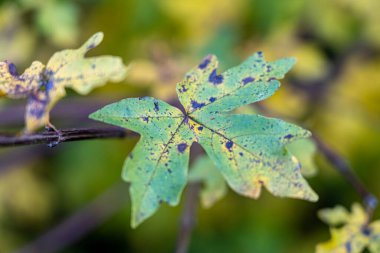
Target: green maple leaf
(354, 236)
(45, 85)
(249, 150)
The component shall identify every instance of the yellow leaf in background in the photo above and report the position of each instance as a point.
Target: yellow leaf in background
(25, 196)
(350, 86)
(15, 86)
(34, 4)
(17, 40)
(62, 14)
(367, 12)
(199, 17)
(287, 102)
(330, 20)
(160, 72)
(354, 236)
(44, 86)
(352, 108)
(311, 61)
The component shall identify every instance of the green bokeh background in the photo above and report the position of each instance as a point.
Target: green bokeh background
(162, 39)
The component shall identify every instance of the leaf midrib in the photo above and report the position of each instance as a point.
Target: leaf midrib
(225, 137)
(159, 159)
(245, 149)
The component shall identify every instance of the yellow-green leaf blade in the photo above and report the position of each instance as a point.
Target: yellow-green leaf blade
(254, 80)
(61, 58)
(70, 68)
(19, 86)
(250, 152)
(157, 166)
(354, 236)
(83, 75)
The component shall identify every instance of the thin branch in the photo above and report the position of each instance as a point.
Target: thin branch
(369, 200)
(188, 218)
(53, 138)
(81, 222)
(76, 109)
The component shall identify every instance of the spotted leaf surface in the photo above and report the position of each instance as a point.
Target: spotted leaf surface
(354, 235)
(203, 89)
(157, 166)
(248, 150)
(14, 85)
(303, 149)
(214, 186)
(44, 85)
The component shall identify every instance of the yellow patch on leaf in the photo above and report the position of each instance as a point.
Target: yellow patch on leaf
(44, 86)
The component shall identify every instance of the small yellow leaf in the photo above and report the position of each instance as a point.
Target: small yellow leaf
(354, 236)
(44, 86)
(14, 86)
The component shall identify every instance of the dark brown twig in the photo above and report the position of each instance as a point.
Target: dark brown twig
(188, 218)
(53, 138)
(369, 200)
(81, 223)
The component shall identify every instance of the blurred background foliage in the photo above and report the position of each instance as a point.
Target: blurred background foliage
(334, 90)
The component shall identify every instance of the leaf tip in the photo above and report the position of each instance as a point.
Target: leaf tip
(206, 61)
(134, 223)
(96, 115)
(307, 133)
(310, 195)
(313, 197)
(258, 54)
(123, 70)
(140, 211)
(93, 41)
(139, 217)
(288, 63)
